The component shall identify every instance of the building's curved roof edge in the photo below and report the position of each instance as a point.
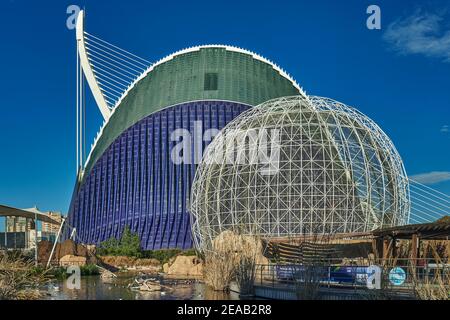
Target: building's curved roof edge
(181, 52)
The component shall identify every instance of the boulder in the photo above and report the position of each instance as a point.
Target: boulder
(44, 249)
(63, 249)
(81, 250)
(71, 260)
(68, 247)
(186, 266)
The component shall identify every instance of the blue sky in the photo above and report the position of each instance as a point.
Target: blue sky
(399, 75)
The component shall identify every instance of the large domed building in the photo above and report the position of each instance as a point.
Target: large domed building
(129, 178)
(298, 166)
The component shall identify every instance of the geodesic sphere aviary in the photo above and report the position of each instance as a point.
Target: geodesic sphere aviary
(297, 166)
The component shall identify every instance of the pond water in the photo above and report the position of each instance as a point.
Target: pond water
(94, 288)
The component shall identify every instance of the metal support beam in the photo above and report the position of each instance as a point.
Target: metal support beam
(35, 240)
(56, 241)
(6, 233)
(414, 249)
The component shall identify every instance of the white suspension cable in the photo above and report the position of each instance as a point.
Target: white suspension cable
(425, 191)
(121, 89)
(128, 59)
(439, 215)
(96, 63)
(110, 101)
(418, 194)
(431, 213)
(146, 61)
(110, 98)
(419, 216)
(125, 63)
(424, 215)
(106, 72)
(423, 185)
(110, 90)
(102, 77)
(428, 204)
(92, 52)
(418, 219)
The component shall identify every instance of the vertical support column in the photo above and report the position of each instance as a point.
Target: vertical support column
(377, 248)
(6, 233)
(35, 240)
(394, 247)
(26, 233)
(15, 232)
(388, 251)
(414, 249)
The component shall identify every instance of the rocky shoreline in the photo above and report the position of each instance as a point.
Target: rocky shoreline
(179, 267)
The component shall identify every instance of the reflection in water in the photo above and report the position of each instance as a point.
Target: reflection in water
(94, 288)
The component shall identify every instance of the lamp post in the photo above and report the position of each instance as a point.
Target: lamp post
(35, 240)
(6, 234)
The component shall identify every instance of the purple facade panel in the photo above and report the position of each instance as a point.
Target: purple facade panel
(135, 183)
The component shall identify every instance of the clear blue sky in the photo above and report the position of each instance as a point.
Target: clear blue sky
(399, 75)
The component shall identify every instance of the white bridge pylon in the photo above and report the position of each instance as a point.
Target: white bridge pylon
(110, 72)
(87, 69)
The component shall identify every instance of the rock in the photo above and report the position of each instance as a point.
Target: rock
(165, 267)
(44, 249)
(71, 260)
(118, 261)
(92, 248)
(63, 249)
(81, 250)
(186, 266)
(68, 247)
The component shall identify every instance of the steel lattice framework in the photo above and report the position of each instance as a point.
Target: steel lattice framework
(336, 172)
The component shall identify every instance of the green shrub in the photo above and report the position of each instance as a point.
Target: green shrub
(59, 273)
(129, 245)
(162, 256)
(89, 270)
(189, 252)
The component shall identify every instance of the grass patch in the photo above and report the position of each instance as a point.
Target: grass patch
(60, 273)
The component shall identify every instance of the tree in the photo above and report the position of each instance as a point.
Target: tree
(128, 245)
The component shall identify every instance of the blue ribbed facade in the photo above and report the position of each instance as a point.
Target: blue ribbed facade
(135, 183)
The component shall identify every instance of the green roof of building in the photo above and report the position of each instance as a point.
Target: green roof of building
(199, 73)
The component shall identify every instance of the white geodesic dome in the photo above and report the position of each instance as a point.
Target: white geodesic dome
(298, 166)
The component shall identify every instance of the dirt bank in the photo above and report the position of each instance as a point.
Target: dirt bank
(65, 248)
(130, 263)
(186, 267)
